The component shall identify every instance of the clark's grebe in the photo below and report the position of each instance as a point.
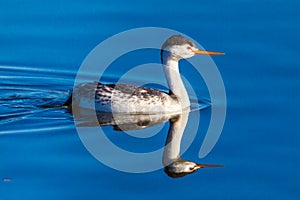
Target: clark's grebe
(121, 98)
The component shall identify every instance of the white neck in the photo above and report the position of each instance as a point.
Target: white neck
(175, 133)
(175, 82)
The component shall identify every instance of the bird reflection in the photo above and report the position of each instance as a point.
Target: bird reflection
(174, 165)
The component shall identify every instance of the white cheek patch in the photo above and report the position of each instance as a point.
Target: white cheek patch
(178, 52)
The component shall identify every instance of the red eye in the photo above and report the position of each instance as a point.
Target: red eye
(189, 48)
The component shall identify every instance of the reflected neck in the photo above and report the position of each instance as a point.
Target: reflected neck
(175, 83)
(175, 133)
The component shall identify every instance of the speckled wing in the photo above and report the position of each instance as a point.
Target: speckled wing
(122, 98)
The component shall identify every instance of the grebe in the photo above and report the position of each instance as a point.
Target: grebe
(121, 98)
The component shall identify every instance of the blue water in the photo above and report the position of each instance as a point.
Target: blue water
(42, 45)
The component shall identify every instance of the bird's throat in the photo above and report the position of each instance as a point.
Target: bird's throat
(175, 83)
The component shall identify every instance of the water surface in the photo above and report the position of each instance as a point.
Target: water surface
(42, 45)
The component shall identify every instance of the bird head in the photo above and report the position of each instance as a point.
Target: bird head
(178, 47)
(180, 168)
